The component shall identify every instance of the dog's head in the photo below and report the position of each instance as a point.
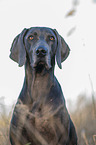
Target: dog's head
(40, 45)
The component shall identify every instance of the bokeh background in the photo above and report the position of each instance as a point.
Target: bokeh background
(75, 20)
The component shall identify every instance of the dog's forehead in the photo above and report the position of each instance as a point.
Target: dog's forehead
(41, 30)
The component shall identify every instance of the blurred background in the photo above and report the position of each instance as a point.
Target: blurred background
(75, 20)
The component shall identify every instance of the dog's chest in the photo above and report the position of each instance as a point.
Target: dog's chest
(46, 129)
(46, 123)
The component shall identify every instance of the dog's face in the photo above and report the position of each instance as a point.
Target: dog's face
(39, 45)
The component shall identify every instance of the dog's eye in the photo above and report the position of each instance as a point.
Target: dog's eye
(31, 37)
(51, 38)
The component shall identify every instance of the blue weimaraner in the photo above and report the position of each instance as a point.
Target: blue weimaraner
(40, 116)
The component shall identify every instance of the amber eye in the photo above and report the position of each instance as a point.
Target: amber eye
(51, 38)
(31, 37)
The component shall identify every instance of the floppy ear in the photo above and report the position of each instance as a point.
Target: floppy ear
(62, 51)
(18, 52)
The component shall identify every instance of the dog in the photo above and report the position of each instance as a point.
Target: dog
(40, 115)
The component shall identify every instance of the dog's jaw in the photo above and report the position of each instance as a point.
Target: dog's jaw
(41, 64)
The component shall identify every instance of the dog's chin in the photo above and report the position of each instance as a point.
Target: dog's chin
(41, 66)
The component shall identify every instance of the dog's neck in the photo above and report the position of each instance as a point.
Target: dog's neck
(39, 84)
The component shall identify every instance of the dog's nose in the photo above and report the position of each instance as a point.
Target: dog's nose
(41, 51)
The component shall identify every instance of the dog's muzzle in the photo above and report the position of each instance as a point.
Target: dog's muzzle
(42, 58)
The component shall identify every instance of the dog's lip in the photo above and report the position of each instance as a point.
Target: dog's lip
(42, 63)
(39, 63)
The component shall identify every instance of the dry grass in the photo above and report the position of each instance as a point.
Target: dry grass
(84, 119)
(4, 128)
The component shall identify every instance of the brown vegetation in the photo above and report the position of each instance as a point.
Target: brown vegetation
(4, 128)
(85, 121)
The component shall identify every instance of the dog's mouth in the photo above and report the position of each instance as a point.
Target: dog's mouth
(39, 66)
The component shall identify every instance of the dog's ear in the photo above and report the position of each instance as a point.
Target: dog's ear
(18, 52)
(62, 51)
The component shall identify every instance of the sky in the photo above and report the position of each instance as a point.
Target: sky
(15, 15)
